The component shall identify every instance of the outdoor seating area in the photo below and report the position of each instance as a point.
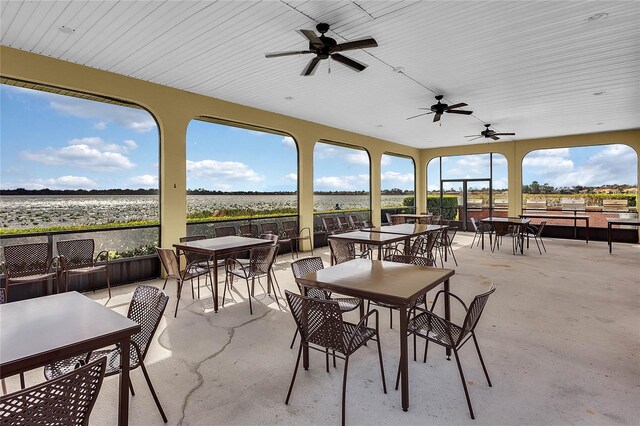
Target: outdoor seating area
(237, 367)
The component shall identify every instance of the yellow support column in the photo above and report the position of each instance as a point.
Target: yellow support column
(306, 144)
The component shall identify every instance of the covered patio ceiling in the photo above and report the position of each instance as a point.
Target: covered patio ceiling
(539, 69)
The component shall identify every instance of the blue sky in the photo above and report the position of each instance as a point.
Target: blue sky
(61, 142)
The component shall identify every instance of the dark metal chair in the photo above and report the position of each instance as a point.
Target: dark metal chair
(67, 400)
(171, 265)
(343, 251)
(322, 328)
(225, 231)
(344, 224)
(28, 263)
(313, 264)
(504, 229)
(354, 222)
(330, 225)
(291, 232)
(408, 259)
(481, 228)
(260, 264)
(76, 258)
(199, 261)
(444, 244)
(431, 327)
(146, 308)
(270, 228)
(249, 230)
(536, 233)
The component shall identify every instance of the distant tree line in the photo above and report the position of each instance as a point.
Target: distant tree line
(199, 191)
(536, 188)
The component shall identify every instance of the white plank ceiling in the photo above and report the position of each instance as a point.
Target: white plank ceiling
(536, 68)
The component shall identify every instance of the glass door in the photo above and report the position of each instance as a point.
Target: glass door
(460, 200)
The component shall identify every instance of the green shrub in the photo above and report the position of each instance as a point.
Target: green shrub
(409, 201)
(449, 206)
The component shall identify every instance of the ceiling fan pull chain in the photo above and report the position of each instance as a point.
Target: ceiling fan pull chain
(329, 64)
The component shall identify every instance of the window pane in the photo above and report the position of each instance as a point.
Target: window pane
(397, 181)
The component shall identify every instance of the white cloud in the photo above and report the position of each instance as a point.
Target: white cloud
(391, 176)
(288, 142)
(80, 155)
(291, 176)
(144, 181)
(342, 183)
(100, 125)
(131, 144)
(221, 171)
(104, 146)
(350, 155)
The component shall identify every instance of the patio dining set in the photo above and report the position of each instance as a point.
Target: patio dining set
(397, 278)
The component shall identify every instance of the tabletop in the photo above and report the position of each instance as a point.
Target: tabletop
(221, 244)
(630, 221)
(368, 237)
(378, 280)
(514, 220)
(407, 229)
(553, 216)
(40, 330)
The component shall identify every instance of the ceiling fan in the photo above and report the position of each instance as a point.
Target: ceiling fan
(488, 133)
(325, 47)
(441, 108)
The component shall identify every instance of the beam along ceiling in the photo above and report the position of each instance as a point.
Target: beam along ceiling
(538, 69)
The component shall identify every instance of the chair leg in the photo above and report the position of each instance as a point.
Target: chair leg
(4, 387)
(295, 371)
(344, 387)
(474, 239)
(453, 255)
(106, 271)
(464, 383)
(326, 358)
(22, 384)
(542, 242)
(398, 375)
(426, 349)
(390, 318)
(538, 244)
(294, 338)
(384, 381)
(165, 283)
(250, 293)
(481, 360)
(131, 389)
(153, 392)
(179, 285)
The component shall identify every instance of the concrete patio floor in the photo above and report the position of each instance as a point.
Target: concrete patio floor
(560, 337)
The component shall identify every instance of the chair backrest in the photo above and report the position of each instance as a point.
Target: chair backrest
(474, 223)
(397, 220)
(270, 228)
(367, 224)
(146, 308)
(248, 230)
(65, 400)
(425, 220)
(261, 259)
(77, 253)
(354, 222)
(343, 223)
(501, 228)
(26, 259)
(226, 231)
(449, 235)
(305, 266)
(290, 228)
(540, 228)
(475, 310)
(319, 321)
(388, 216)
(410, 260)
(169, 262)
(272, 237)
(330, 224)
(191, 256)
(342, 251)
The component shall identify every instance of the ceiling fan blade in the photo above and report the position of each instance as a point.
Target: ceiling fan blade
(311, 67)
(426, 108)
(355, 44)
(459, 111)
(278, 54)
(494, 137)
(457, 106)
(313, 38)
(351, 63)
(504, 134)
(473, 136)
(419, 115)
(471, 140)
(437, 117)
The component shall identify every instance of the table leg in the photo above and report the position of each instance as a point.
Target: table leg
(609, 236)
(407, 246)
(447, 309)
(404, 364)
(214, 284)
(587, 226)
(482, 240)
(379, 251)
(123, 403)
